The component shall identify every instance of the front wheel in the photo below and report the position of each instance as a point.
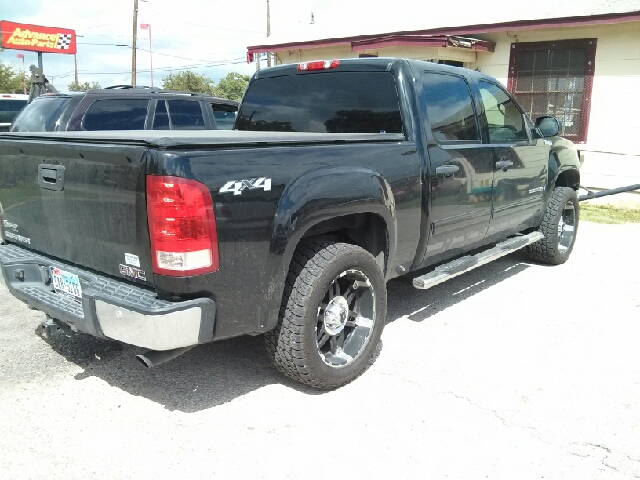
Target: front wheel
(332, 315)
(559, 227)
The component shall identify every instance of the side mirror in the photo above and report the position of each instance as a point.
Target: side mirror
(548, 126)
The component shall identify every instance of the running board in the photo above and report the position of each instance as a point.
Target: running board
(461, 265)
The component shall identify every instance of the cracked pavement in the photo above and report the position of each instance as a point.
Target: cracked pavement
(511, 371)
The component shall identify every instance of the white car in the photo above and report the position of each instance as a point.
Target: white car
(10, 105)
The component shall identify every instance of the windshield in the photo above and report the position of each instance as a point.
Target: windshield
(9, 109)
(41, 115)
(336, 102)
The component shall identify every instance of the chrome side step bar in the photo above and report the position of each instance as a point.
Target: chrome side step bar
(461, 265)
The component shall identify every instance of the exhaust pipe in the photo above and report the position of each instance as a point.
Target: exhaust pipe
(151, 358)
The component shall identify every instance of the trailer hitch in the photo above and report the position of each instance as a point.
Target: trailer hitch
(605, 193)
(51, 328)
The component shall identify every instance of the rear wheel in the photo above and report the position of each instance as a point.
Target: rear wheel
(559, 227)
(332, 315)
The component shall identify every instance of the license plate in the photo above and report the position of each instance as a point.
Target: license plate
(66, 283)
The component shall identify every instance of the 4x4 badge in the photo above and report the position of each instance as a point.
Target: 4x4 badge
(237, 187)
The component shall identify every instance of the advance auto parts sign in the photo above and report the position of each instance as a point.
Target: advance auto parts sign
(35, 38)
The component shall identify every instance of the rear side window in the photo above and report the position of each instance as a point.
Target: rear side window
(335, 102)
(161, 118)
(41, 115)
(116, 114)
(185, 115)
(449, 107)
(225, 116)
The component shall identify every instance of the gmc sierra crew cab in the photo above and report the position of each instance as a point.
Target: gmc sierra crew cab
(339, 176)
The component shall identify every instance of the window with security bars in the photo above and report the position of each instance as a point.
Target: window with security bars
(554, 78)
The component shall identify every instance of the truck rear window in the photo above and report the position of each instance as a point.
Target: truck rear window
(335, 102)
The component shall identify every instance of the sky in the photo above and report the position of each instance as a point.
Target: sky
(209, 37)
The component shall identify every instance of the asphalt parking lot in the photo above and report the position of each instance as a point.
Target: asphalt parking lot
(512, 371)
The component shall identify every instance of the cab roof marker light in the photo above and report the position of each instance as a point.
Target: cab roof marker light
(318, 65)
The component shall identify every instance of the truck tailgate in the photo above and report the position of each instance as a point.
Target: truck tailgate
(79, 202)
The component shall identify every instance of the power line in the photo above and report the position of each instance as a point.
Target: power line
(145, 50)
(219, 63)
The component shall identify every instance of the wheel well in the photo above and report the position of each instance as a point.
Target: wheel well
(367, 230)
(569, 178)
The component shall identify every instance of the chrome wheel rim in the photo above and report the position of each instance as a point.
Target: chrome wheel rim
(346, 317)
(566, 227)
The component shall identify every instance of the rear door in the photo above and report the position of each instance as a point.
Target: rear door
(461, 167)
(81, 203)
(520, 162)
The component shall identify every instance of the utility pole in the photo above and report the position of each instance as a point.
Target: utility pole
(24, 73)
(135, 35)
(268, 32)
(147, 26)
(75, 68)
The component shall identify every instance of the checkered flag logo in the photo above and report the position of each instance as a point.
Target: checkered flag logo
(64, 41)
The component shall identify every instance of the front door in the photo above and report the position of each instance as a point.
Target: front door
(461, 167)
(520, 162)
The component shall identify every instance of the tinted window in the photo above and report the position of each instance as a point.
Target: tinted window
(9, 109)
(336, 102)
(505, 121)
(186, 115)
(225, 116)
(116, 114)
(449, 107)
(161, 118)
(41, 115)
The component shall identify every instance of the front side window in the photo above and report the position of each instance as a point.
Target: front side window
(504, 119)
(329, 102)
(449, 107)
(116, 114)
(186, 115)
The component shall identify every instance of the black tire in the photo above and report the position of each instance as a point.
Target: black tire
(559, 227)
(300, 345)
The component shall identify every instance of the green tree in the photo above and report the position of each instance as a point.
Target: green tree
(188, 81)
(10, 80)
(232, 86)
(83, 87)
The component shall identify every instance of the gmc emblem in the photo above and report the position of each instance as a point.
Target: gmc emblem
(133, 272)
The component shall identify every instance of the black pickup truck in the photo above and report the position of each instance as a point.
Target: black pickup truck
(339, 176)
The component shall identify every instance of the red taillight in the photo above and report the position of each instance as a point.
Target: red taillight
(182, 227)
(318, 65)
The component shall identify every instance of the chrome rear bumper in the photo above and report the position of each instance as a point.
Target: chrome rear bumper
(108, 308)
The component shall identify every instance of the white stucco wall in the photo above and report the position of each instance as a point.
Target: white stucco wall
(615, 98)
(614, 123)
(344, 51)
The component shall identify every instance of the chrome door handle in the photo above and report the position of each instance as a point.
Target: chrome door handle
(504, 164)
(447, 169)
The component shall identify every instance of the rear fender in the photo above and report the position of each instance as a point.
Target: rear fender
(320, 195)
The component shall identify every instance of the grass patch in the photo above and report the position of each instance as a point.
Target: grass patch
(608, 214)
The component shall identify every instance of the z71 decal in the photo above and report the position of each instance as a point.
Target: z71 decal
(237, 187)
